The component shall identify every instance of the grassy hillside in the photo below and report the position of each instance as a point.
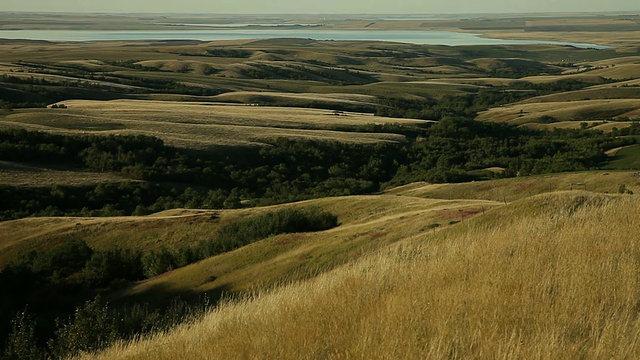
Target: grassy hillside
(416, 202)
(522, 187)
(16, 174)
(534, 279)
(626, 158)
(549, 112)
(199, 125)
(170, 229)
(368, 223)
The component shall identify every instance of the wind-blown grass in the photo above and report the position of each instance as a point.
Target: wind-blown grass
(555, 276)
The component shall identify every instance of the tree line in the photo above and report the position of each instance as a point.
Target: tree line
(166, 177)
(52, 307)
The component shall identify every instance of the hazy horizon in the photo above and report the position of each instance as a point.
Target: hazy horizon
(304, 7)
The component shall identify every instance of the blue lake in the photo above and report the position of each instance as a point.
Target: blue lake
(404, 36)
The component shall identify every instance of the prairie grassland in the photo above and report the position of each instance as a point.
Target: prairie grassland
(368, 223)
(513, 189)
(145, 233)
(176, 228)
(36, 176)
(598, 92)
(248, 97)
(558, 281)
(522, 113)
(604, 125)
(202, 124)
(577, 125)
(617, 72)
(627, 157)
(619, 39)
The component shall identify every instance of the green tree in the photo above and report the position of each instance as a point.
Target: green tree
(90, 329)
(22, 343)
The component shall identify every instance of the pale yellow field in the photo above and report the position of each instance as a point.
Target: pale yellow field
(348, 98)
(554, 276)
(522, 113)
(617, 72)
(605, 126)
(513, 189)
(597, 92)
(625, 60)
(587, 77)
(610, 125)
(23, 175)
(144, 233)
(368, 223)
(201, 124)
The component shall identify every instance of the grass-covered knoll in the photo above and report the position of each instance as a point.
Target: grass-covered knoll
(169, 229)
(525, 186)
(550, 112)
(342, 101)
(604, 92)
(552, 276)
(367, 223)
(145, 234)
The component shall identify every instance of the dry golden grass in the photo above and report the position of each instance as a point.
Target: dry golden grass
(367, 223)
(144, 233)
(609, 126)
(587, 77)
(605, 126)
(522, 113)
(618, 72)
(512, 189)
(625, 60)
(250, 96)
(201, 124)
(553, 277)
(35, 176)
(364, 218)
(598, 92)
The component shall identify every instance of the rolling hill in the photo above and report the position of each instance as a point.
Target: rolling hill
(534, 278)
(198, 125)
